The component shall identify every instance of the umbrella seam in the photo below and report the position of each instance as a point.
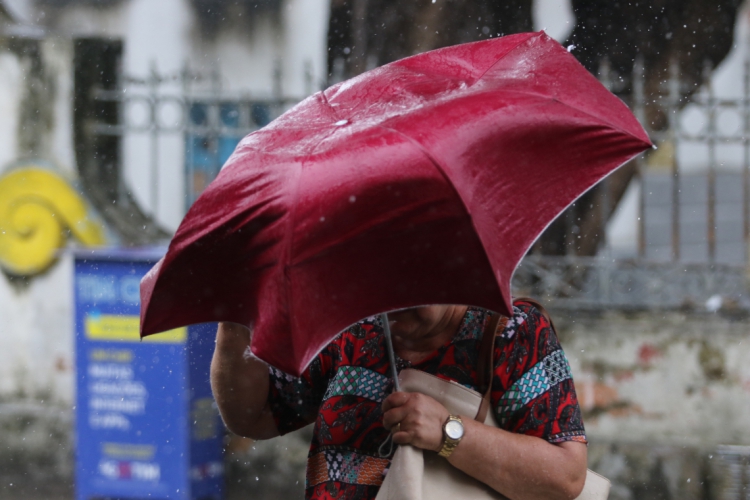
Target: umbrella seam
(535, 35)
(289, 230)
(328, 104)
(608, 125)
(539, 35)
(458, 195)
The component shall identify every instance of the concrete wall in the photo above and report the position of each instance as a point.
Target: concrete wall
(677, 378)
(660, 392)
(36, 99)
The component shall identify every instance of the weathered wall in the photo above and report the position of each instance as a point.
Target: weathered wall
(36, 385)
(676, 378)
(36, 79)
(36, 337)
(660, 391)
(35, 317)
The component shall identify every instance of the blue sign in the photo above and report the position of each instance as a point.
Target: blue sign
(146, 422)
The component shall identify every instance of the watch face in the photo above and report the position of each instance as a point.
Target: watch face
(454, 429)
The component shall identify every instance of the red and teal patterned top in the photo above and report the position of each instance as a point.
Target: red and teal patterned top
(342, 390)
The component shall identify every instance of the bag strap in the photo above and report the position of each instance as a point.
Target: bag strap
(539, 308)
(485, 362)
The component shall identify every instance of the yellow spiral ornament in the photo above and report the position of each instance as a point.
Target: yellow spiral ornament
(37, 209)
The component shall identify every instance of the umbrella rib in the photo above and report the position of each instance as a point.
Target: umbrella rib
(603, 123)
(540, 34)
(327, 103)
(289, 230)
(525, 40)
(447, 180)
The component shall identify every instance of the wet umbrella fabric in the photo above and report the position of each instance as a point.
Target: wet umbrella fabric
(423, 181)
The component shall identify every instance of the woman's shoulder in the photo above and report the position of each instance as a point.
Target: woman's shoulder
(530, 325)
(515, 323)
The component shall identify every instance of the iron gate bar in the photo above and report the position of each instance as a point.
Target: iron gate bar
(746, 151)
(639, 109)
(674, 99)
(711, 143)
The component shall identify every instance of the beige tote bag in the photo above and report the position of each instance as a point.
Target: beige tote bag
(415, 474)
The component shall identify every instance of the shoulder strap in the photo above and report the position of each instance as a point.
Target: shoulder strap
(485, 362)
(539, 308)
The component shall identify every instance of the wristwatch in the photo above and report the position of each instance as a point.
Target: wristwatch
(453, 431)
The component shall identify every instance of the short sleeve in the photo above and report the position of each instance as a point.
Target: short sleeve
(532, 388)
(295, 401)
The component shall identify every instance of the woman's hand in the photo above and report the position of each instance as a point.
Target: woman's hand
(418, 419)
(518, 466)
(240, 384)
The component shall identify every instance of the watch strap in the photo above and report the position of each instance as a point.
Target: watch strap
(449, 444)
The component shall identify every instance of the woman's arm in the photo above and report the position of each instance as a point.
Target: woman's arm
(518, 466)
(240, 384)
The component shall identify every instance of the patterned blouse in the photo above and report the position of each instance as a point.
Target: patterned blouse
(342, 390)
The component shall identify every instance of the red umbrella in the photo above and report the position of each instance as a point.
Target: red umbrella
(424, 181)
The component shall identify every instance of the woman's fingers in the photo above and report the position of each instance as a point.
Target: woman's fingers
(419, 417)
(394, 400)
(393, 417)
(403, 437)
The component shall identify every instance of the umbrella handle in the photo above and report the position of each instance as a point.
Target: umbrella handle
(391, 354)
(385, 449)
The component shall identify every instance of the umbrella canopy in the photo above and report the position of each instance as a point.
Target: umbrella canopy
(424, 181)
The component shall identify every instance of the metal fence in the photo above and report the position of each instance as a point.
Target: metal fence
(210, 120)
(690, 243)
(696, 209)
(734, 472)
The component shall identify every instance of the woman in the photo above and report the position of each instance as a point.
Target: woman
(539, 451)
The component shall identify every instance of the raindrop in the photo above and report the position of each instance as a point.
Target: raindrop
(352, 199)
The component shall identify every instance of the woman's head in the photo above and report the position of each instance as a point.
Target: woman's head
(425, 327)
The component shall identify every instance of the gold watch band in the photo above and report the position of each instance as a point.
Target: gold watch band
(449, 444)
(448, 447)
